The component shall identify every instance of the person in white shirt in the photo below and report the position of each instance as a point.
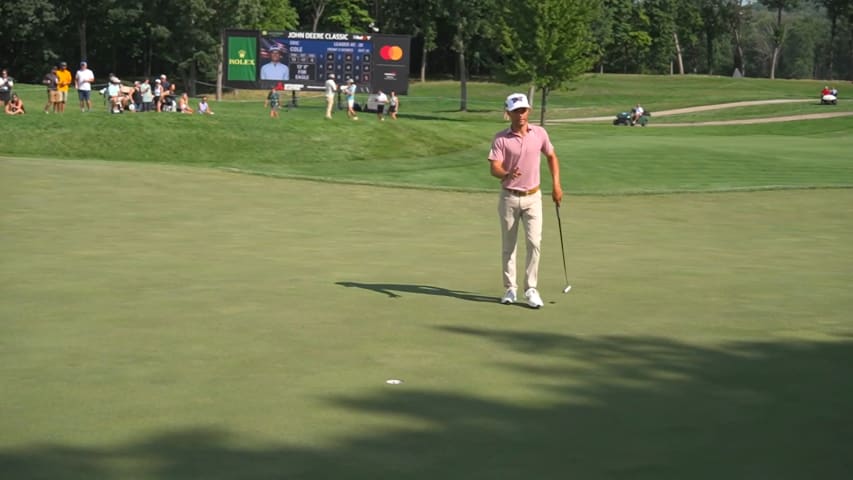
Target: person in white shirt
(83, 83)
(275, 70)
(381, 100)
(636, 113)
(6, 84)
(331, 88)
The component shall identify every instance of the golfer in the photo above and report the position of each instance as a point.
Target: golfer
(515, 159)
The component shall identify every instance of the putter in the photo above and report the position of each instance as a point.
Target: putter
(563, 249)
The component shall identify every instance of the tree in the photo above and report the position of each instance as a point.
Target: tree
(469, 19)
(547, 43)
(335, 15)
(418, 19)
(779, 30)
(835, 11)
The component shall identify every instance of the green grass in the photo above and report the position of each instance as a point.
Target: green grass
(435, 146)
(164, 321)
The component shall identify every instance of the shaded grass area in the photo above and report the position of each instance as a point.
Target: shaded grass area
(165, 322)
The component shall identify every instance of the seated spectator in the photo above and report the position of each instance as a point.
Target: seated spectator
(15, 106)
(203, 107)
(115, 95)
(826, 91)
(636, 113)
(184, 104)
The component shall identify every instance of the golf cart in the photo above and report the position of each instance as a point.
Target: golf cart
(829, 99)
(624, 118)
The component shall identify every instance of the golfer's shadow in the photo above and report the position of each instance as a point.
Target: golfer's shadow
(393, 290)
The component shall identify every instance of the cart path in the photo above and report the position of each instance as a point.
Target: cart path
(705, 108)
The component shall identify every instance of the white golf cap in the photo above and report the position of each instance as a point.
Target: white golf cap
(516, 101)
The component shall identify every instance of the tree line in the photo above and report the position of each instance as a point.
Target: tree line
(545, 42)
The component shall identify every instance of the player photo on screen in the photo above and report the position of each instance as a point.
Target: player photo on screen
(276, 67)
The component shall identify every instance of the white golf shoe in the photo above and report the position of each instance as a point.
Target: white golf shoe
(509, 296)
(533, 298)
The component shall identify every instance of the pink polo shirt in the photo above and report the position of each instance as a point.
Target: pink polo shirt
(514, 150)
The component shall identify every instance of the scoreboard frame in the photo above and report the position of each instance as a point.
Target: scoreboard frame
(374, 61)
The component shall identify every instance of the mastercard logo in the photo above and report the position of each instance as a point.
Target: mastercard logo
(391, 52)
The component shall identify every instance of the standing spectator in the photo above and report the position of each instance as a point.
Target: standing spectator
(136, 96)
(331, 88)
(51, 81)
(350, 90)
(515, 158)
(83, 82)
(393, 105)
(164, 93)
(64, 76)
(157, 91)
(381, 100)
(6, 84)
(275, 70)
(15, 106)
(203, 107)
(147, 95)
(273, 102)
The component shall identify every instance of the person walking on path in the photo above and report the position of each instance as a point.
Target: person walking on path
(515, 158)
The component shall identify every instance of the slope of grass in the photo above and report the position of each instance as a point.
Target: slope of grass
(434, 145)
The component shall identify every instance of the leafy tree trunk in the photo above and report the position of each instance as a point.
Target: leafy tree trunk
(678, 54)
(424, 62)
(544, 107)
(778, 34)
(463, 82)
(81, 30)
(220, 66)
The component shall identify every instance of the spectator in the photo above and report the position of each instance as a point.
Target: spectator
(6, 84)
(157, 92)
(393, 105)
(273, 102)
(136, 96)
(51, 81)
(203, 107)
(15, 106)
(83, 82)
(114, 94)
(184, 104)
(331, 88)
(164, 93)
(381, 100)
(147, 95)
(64, 76)
(275, 70)
(350, 90)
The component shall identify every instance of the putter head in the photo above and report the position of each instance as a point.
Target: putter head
(566, 290)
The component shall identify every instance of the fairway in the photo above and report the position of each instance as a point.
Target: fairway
(168, 322)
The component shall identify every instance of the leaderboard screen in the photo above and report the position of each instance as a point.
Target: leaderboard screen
(304, 60)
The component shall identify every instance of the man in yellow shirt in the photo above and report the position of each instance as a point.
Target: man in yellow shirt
(64, 76)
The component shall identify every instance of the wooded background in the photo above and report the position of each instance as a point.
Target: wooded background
(452, 39)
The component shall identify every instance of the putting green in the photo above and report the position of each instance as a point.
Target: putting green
(170, 322)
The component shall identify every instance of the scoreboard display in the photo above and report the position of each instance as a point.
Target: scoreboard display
(304, 60)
